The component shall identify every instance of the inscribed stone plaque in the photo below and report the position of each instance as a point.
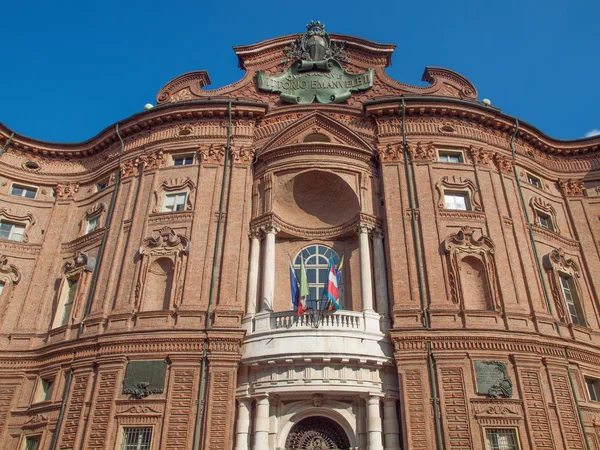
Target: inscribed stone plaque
(492, 379)
(143, 378)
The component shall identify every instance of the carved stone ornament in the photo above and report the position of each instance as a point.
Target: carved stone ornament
(317, 400)
(458, 183)
(81, 263)
(28, 220)
(538, 204)
(9, 272)
(390, 153)
(505, 164)
(173, 185)
(66, 190)
(422, 151)
(480, 156)
(142, 390)
(213, 153)
(462, 244)
(242, 154)
(572, 188)
(164, 243)
(316, 72)
(147, 161)
(555, 263)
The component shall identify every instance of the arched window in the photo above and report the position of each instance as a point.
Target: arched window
(316, 260)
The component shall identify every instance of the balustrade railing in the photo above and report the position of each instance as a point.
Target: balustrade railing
(340, 319)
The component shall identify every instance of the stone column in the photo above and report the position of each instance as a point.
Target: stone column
(269, 269)
(374, 423)
(242, 429)
(361, 428)
(381, 289)
(391, 427)
(366, 284)
(261, 424)
(253, 273)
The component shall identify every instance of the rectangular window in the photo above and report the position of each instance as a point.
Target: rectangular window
(183, 160)
(12, 231)
(136, 438)
(67, 297)
(32, 443)
(592, 387)
(534, 181)
(501, 439)
(451, 157)
(23, 191)
(545, 221)
(570, 295)
(457, 200)
(175, 202)
(92, 224)
(44, 390)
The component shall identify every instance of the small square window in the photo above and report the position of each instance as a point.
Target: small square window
(534, 181)
(501, 439)
(545, 221)
(12, 231)
(175, 202)
(92, 224)
(593, 387)
(451, 157)
(32, 443)
(137, 438)
(183, 160)
(23, 191)
(457, 200)
(101, 185)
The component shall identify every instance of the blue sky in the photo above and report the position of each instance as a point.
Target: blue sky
(70, 69)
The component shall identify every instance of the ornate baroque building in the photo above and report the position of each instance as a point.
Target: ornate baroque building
(144, 273)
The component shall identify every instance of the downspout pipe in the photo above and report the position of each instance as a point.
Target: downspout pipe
(202, 391)
(3, 149)
(94, 282)
(540, 272)
(420, 276)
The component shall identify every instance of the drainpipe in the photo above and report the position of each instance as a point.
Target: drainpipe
(540, 272)
(202, 392)
(420, 276)
(94, 282)
(3, 149)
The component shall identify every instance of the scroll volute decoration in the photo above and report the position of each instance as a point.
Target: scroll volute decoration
(10, 276)
(462, 249)
(555, 263)
(458, 184)
(78, 265)
(165, 249)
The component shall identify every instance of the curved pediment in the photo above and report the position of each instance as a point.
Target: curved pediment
(317, 127)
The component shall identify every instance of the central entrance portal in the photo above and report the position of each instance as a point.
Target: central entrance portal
(317, 433)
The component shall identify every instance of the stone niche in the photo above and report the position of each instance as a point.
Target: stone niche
(315, 199)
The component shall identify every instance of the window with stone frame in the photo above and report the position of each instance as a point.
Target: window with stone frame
(316, 261)
(457, 194)
(545, 221)
(501, 439)
(23, 191)
(183, 159)
(534, 181)
(457, 200)
(93, 223)
(571, 298)
(31, 443)
(174, 195)
(544, 214)
(44, 389)
(175, 202)
(66, 300)
(593, 388)
(12, 231)
(447, 156)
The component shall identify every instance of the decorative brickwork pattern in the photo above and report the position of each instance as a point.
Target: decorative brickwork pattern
(566, 411)
(455, 408)
(220, 409)
(181, 408)
(6, 394)
(536, 409)
(101, 415)
(73, 413)
(417, 416)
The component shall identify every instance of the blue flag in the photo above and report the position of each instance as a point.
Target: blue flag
(294, 287)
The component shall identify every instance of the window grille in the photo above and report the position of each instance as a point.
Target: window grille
(32, 443)
(502, 439)
(136, 438)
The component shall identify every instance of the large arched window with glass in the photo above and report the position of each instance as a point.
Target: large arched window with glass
(316, 260)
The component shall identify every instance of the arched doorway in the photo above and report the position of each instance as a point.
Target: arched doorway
(317, 433)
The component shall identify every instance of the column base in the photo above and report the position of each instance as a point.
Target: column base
(262, 321)
(371, 319)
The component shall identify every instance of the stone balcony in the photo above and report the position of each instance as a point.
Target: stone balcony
(344, 336)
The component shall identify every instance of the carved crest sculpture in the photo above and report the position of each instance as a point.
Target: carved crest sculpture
(315, 71)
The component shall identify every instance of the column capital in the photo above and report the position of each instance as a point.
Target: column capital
(255, 233)
(377, 233)
(364, 227)
(270, 228)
